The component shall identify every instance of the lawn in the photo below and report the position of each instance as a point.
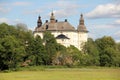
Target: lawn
(64, 74)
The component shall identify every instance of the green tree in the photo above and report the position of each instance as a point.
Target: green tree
(108, 51)
(58, 58)
(36, 51)
(11, 53)
(50, 46)
(91, 49)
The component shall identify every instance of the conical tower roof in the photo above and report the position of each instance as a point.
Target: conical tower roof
(81, 26)
(52, 17)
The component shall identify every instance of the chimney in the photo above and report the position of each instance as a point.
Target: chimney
(65, 20)
(46, 21)
(56, 20)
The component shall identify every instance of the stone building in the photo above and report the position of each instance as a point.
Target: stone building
(63, 31)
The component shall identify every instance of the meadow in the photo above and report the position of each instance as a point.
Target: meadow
(64, 74)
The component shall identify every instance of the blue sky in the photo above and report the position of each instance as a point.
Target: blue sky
(102, 17)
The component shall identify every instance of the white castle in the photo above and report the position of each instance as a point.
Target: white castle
(63, 31)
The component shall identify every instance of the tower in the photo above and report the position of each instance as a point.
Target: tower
(39, 22)
(52, 18)
(82, 32)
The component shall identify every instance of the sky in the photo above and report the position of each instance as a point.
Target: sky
(102, 17)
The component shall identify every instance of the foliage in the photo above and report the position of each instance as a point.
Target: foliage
(91, 49)
(18, 47)
(12, 46)
(37, 51)
(50, 46)
(108, 51)
(11, 52)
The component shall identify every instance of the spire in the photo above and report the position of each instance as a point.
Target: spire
(81, 20)
(52, 18)
(39, 22)
(81, 26)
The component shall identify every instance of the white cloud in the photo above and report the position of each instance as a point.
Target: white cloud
(64, 12)
(117, 21)
(105, 11)
(4, 10)
(11, 22)
(37, 11)
(6, 7)
(116, 36)
(4, 20)
(65, 8)
(21, 3)
(61, 8)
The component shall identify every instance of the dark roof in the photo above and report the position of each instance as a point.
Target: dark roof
(57, 26)
(62, 36)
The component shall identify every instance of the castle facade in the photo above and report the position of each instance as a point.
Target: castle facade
(63, 31)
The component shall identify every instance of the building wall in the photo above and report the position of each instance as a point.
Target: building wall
(76, 38)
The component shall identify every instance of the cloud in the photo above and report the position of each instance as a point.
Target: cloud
(116, 36)
(36, 11)
(4, 20)
(9, 21)
(62, 13)
(21, 3)
(61, 8)
(4, 10)
(105, 11)
(117, 22)
(6, 7)
(65, 8)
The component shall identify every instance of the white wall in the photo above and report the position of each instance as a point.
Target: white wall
(76, 38)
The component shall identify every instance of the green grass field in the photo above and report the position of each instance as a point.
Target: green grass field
(64, 74)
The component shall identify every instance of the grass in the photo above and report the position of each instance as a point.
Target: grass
(64, 74)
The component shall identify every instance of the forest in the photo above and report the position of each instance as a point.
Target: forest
(19, 48)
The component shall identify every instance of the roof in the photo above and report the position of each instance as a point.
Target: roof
(62, 36)
(82, 28)
(56, 26)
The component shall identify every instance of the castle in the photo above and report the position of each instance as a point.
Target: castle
(63, 31)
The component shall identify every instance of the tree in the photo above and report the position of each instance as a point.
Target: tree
(108, 51)
(21, 27)
(37, 51)
(58, 58)
(11, 53)
(50, 46)
(91, 49)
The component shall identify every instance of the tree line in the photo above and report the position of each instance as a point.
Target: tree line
(19, 48)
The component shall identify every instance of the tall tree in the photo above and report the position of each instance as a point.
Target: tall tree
(36, 51)
(91, 49)
(50, 46)
(107, 49)
(11, 52)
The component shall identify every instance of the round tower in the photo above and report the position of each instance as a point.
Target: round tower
(52, 18)
(82, 33)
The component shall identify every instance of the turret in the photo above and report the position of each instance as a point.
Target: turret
(39, 22)
(52, 18)
(81, 26)
(82, 33)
